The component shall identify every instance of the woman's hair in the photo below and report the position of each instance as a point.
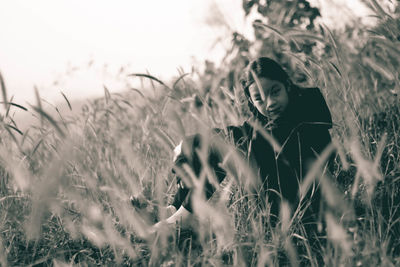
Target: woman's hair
(264, 67)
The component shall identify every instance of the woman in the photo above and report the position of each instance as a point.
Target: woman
(298, 119)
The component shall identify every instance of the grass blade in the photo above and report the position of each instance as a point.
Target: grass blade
(36, 147)
(275, 30)
(380, 68)
(50, 119)
(15, 105)
(58, 111)
(7, 127)
(304, 35)
(9, 106)
(14, 128)
(316, 170)
(179, 127)
(66, 99)
(3, 91)
(38, 100)
(335, 68)
(24, 137)
(137, 91)
(165, 138)
(151, 77)
(38, 103)
(373, 4)
(387, 45)
(301, 63)
(332, 41)
(179, 79)
(106, 94)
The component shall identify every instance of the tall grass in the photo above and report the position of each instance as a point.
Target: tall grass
(65, 185)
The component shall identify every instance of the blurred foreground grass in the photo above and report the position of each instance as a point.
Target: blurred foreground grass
(65, 183)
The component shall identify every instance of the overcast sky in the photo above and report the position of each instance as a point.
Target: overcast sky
(63, 45)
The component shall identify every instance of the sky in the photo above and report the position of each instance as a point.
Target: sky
(78, 46)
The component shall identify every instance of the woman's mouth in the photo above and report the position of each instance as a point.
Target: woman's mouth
(273, 111)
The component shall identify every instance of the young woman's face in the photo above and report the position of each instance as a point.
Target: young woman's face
(271, 100)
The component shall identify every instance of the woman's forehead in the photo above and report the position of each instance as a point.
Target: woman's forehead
(265, 83)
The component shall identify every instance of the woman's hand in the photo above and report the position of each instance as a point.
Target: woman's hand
(170, 210)
(161, 226)
(181, 216)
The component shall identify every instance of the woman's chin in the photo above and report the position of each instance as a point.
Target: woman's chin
(269, 118)
(273, 116)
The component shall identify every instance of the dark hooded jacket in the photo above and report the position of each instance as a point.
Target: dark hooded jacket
(302, 132)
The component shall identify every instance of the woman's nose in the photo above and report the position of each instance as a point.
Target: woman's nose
(270, 102)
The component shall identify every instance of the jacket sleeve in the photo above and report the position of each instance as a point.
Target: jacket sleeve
(189, 156)
(317, 122)
(180, 195)
(317, 138)
(314, 108)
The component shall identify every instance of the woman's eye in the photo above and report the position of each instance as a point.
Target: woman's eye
(275, 91)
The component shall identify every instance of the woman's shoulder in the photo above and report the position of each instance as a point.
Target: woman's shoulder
(312, 108)
(313, 94)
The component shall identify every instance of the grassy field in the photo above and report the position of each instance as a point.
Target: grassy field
(66, 181)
